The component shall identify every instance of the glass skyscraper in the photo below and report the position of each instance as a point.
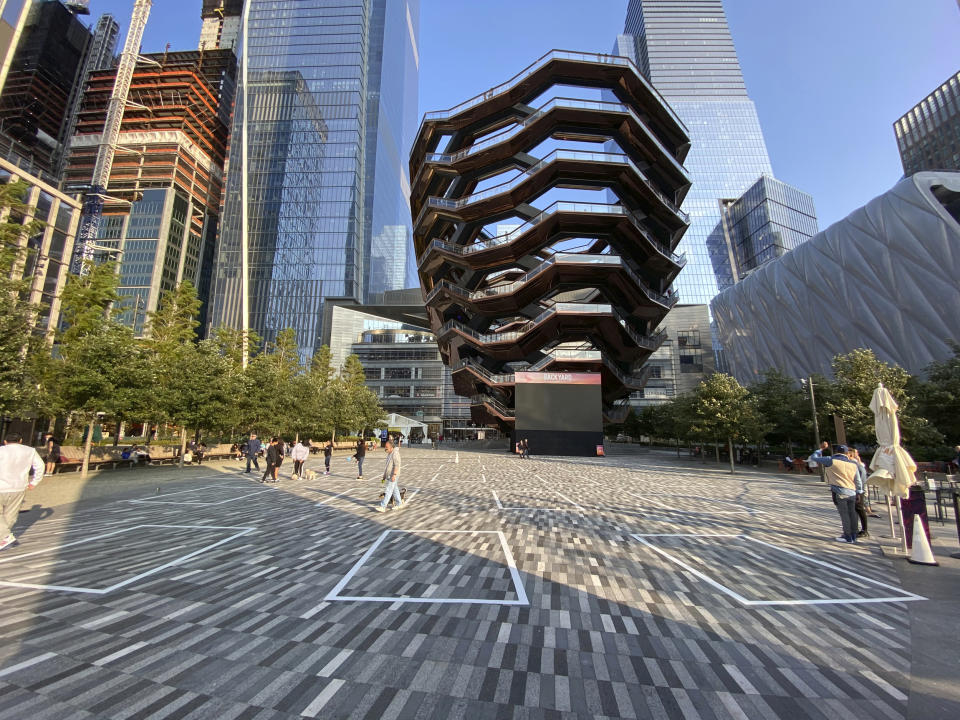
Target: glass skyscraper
(332, 103)
(685, 49)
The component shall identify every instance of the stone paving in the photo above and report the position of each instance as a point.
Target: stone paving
(632, 586)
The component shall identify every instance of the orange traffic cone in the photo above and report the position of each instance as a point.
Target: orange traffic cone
(921, 554)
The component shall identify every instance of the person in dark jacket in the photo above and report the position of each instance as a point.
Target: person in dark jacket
(253, 449)
(327, 454)
(273, 461)
(360, 455)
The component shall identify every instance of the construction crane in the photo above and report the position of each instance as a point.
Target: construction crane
(94, 198)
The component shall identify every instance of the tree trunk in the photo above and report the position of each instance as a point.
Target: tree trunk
(116, 432)
(85, 467)
(716, 447)
(730, 450)
(183, 443)
(678, 447)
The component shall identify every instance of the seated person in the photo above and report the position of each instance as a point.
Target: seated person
(788, 462)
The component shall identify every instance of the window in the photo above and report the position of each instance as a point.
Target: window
(397, 373)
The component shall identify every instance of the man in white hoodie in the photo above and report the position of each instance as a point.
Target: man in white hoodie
(16, 461)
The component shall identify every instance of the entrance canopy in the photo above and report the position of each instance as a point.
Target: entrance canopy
(403, 424)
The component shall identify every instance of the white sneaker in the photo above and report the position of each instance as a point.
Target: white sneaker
(399, 506)
(7, 541)
(380, 508)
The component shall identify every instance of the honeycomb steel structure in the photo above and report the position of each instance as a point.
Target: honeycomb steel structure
(561, 284)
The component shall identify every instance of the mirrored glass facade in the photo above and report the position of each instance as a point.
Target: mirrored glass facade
(767, 221)
(928, 136)
(332, 103)
(685, 49)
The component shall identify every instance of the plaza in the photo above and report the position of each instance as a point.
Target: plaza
(638, 585)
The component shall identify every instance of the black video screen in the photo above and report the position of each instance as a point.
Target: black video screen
(545, 406)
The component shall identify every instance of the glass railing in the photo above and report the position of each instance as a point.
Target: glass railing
(491, 378)
(539, 63)
(563, 103)
(582, 155)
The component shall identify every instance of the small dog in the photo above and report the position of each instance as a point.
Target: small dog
(403, 496)
(309, 475)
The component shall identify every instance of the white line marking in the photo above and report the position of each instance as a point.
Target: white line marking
(497, 500)
(511, 565)
(324, 502)
(202, 504)
(104, 591)
(906, 597)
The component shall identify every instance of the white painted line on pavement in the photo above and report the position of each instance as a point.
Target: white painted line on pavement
(331, 499)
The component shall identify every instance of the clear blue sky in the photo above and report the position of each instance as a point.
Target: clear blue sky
(829, 77)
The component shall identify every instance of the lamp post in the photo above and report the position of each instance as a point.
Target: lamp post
(808, 382)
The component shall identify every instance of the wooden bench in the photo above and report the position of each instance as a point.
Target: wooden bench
(798, 465)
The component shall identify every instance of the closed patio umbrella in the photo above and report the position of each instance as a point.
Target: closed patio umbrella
(893, 468)
(892, 465)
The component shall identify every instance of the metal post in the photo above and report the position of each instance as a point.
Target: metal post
(903, 530)
(244, 192)
(956, 516)
(816, 426)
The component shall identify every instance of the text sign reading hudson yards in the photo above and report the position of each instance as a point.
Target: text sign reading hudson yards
(558, 378)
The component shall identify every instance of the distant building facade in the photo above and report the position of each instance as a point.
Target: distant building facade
(928, 135)
(685, 49)
(883, 278)
(332, 107)
(768, 220)
(47, 49)
(684, 359)
(162, 215)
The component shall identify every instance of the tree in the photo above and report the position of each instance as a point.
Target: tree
(722, 409)
(938, 399)
(857, 374)
(271, 377)
(781, 403)
(98, 366)
(171, 334)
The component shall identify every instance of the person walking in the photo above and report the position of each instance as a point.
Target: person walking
(526, 449)
(282, 451)
(390, 474)
(253, 449)
(300, 453)
(17, 461)
(360, 455)
(841, 474)
(273, 461)
(327, 454)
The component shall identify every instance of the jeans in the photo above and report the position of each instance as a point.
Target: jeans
(360, 465)
(298, 467)
(847, 507)
(252, 458)
(269, 472)
(391, 490)
(326, 463)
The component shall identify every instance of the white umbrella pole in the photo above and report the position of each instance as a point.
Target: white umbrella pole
(903, 532)
(893, 533)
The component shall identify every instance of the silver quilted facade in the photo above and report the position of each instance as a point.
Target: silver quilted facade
(886, 277)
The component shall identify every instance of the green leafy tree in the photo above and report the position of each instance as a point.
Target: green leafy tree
(857, 374)
(780, 402)
(938, 398)
(98, 367)
(271, 379)
(722, 409)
